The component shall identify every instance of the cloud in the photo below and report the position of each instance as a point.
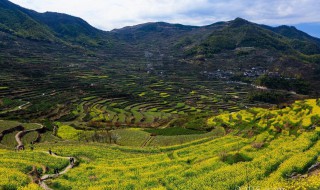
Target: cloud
(110, 14)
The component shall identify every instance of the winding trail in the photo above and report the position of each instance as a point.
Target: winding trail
(45, 177)
(52, 176)
(10, 130)
(20, 134)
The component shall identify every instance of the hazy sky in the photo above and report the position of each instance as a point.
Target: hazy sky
(110, 14)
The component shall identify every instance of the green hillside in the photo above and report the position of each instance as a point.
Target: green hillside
(231, 105)
(259, 148)
(240, 33)
(51, 27)
(20, 24)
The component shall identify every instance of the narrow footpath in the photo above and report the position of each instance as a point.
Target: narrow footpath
(45, 177)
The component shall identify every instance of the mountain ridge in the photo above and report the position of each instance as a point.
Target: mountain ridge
(52, 20)
(240, 43)
(58, 26)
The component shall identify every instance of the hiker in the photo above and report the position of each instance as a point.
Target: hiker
(71, 161)
(35, 175)
(50, 152)
(56, 171)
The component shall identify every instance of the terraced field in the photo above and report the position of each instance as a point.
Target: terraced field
(151, 104)
(260, 148)
(130, 90)
(156, 106)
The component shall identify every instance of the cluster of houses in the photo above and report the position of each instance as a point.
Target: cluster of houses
(253, 72)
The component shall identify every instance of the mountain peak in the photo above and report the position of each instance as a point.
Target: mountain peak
(240, 19)
(239, 22)
(287, 27)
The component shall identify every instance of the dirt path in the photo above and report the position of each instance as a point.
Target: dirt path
(10, 130)
(42, 183)
(45, 177)
(25, 104)
(52, 176)
(16, 108)
(20, 134)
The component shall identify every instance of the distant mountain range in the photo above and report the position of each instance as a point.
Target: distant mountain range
(222, 45)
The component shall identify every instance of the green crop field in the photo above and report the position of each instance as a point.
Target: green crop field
(232, 105)
(265, 148)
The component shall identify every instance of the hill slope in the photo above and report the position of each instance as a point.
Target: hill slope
(49, 26)
(241, 33)
(175, 69)
(257, 148)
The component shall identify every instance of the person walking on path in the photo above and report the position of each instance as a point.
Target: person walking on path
(56, 171)
(71, 161)
(35, 175)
